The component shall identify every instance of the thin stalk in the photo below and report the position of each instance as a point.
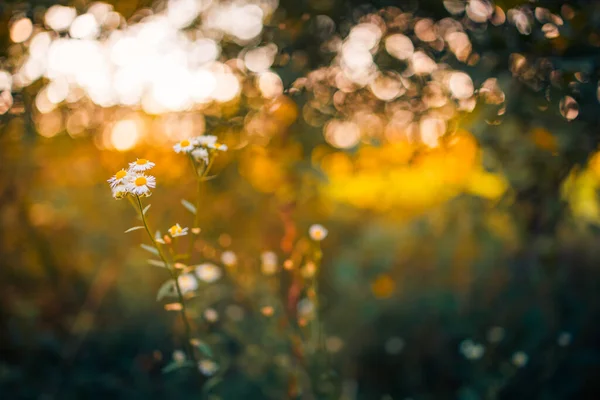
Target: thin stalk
(318, 317)
(200, 181)
(188, 331)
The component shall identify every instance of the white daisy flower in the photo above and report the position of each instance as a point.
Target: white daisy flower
(317, 232)
(119, 178)
(140, 165)
(519, 359)
(176, 230)
(208, 272)
(269, 263)
(200, 154)
(141, 184)
(119, 191)
(229, 258)
(211, 315)
(219, 146)
(208, 367)
(185, 146)
(187, 283)
(205, 140)
(179, 356)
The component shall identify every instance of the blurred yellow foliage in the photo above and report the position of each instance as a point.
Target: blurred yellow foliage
(408, 177)
(580, 190)
(266, 170)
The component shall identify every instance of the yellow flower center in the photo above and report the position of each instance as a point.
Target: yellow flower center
(184, 143)
(140, 181)
(121, 174)
(175, 229)
(141, 161)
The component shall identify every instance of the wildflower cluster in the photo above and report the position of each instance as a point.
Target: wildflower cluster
(200, 147)
(189, 280)
(133, 181)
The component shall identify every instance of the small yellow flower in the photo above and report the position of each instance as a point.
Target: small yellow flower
(176, 230)
(140, 165)
(317, 232)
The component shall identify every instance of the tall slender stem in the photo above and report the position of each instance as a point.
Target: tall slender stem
(188, 331)
(200, 178)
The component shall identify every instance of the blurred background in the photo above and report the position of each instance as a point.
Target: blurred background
(449, 147)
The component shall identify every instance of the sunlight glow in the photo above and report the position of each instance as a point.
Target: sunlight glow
(125, 134)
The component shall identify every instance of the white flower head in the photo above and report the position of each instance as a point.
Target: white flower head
(306, 308)
(176, 230)
(141, 184)
(471, 350)
(205, 140)
(187, 283)
(179, 356)
(184, 146)
(119, 191)
(269, 262)
(211, 315)
(208, 142)
(200, 154)
(520, 359)
(141, 165)
(218, 146)
(208, 367)
(119, 178)
(317, 232)
(208, 272)
(229, 258)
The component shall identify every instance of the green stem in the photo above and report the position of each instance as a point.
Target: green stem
(318, 316)
(188, 331)
(200, 179)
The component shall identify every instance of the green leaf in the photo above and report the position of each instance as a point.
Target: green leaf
(174, 365)
(146, 209)
(190, 207)
(149, 248)
(203, 347)
(157, 263)
(167, 289)
(135, 228)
